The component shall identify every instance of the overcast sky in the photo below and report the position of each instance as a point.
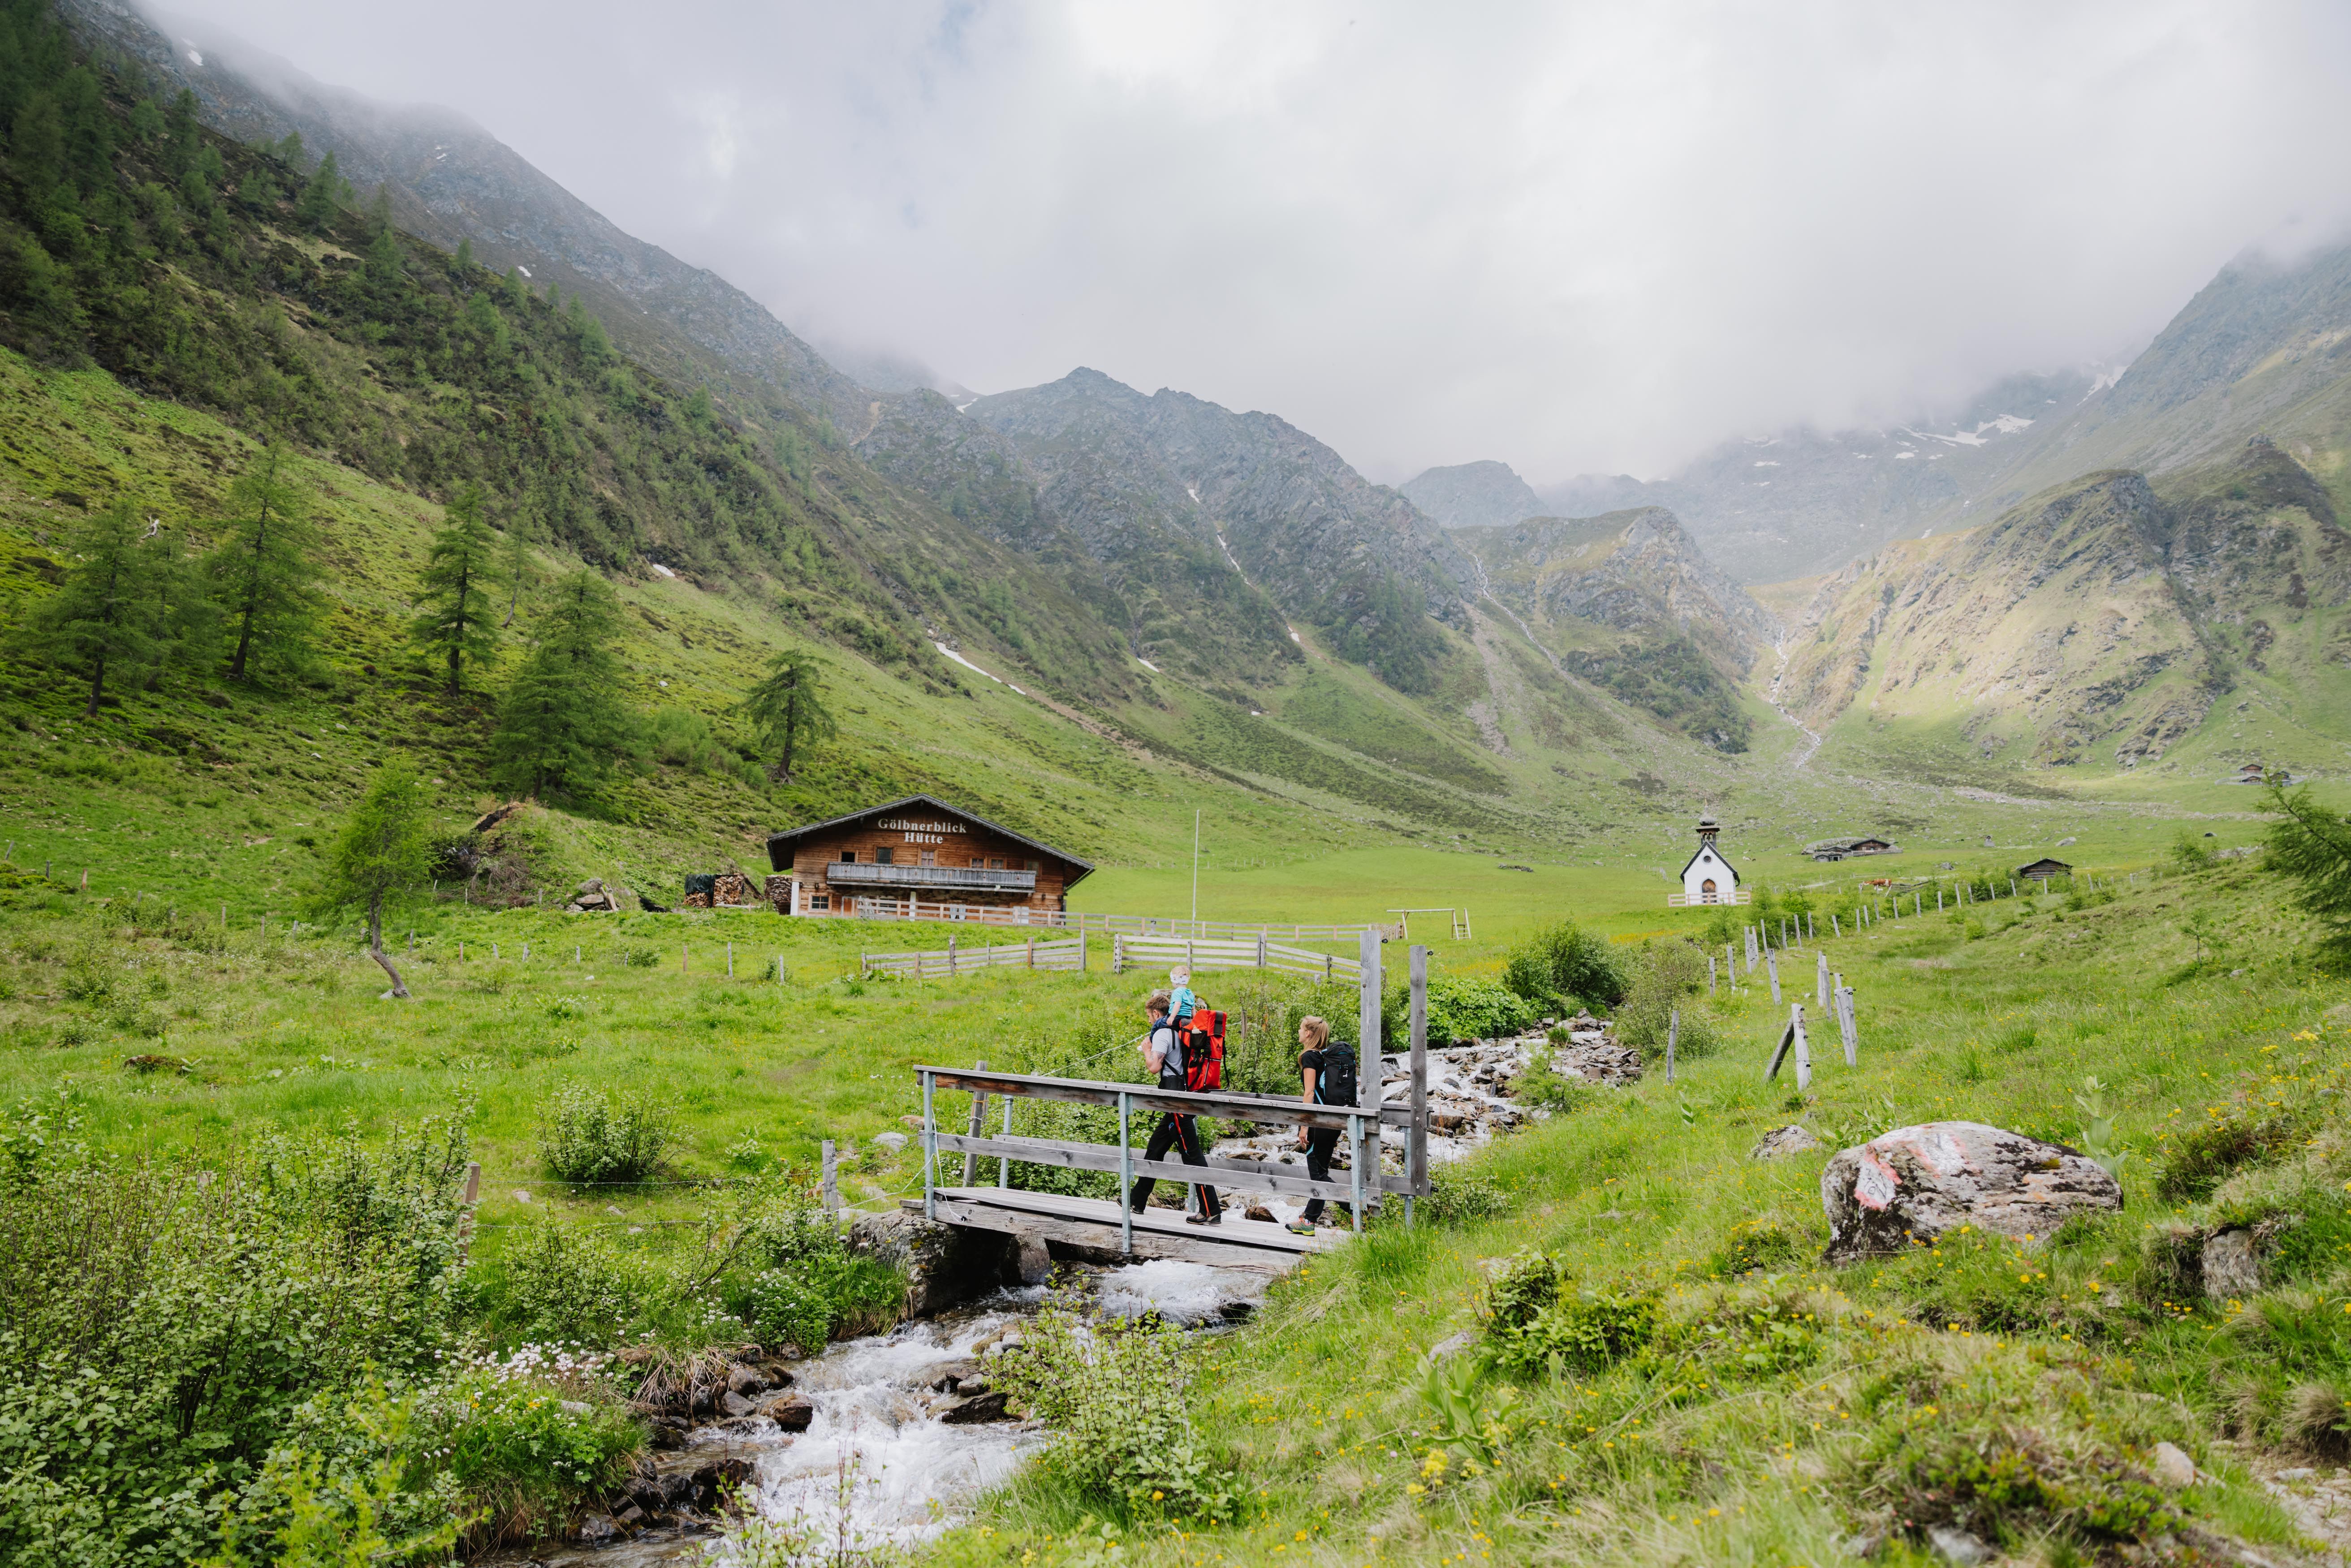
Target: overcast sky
(1573, 237)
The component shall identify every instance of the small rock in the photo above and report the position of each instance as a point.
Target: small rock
(1451, 1345)
(1259, 1213)
(1867, 1544)
(1031, 1259)
(1782, 1141)
(893, 1142)
(631, 1514)
(745, 1380)
(1956, 1545)
(793, 1412)
(979, 1407)
(711, 1482)
(2232, 1269)
(2299, 1473)
(1235, 1312)
(596, 1529)
(2174, 1469)
(732, 1404)
(949, 1377)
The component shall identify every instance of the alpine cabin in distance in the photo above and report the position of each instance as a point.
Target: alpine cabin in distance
(921, 859)
(1708, 878)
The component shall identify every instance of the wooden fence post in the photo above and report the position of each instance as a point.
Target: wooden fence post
(1416, 1155)
(951, 953)
(1117, 953)
(828, 1190)
(1772, 965)
(1835, 927)
(1709, 974)
(466, 1215)
(1821, 980)
(979, 1110)
(1673, 1033)
(1803, 1049)
(730, 959)
(682, 959)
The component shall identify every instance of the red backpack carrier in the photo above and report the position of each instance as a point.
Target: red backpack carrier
(1204, 1053)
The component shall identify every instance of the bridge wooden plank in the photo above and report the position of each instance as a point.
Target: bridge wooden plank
(1093, 1222)
(1249, 1175)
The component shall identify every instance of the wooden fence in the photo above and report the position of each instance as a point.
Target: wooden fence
(870, 907)
(1068, 953)
(1199, 954)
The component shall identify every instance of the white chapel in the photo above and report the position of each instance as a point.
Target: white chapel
(1708, 878)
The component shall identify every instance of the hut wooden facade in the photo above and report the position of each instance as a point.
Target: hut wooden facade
(2043, 871)
(921, 857)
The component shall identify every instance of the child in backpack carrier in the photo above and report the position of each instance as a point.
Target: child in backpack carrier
(1182, 1004)
(1327, 1074)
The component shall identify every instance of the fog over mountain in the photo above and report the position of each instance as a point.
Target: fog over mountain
(1589, 241)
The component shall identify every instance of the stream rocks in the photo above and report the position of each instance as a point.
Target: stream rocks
(945, 1265)
(1916, 1183)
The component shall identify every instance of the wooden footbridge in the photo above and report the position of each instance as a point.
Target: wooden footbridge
(1104, 1226)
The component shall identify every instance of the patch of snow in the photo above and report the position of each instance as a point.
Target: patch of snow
(968, 664)
(1193, 491)
(1766, 464)
(1295, 637)
(1900, 456)
(1762, 484)
(965, 404)
(2007, 423)
(661, 568)
(524, 270)
(1146, 664)
(2106, 378)
(1863, 455)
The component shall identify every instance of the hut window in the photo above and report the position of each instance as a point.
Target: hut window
(996, 862)
(1036, 865)
(884, 856)
(821, 901)
(930, 857)
(848, 857)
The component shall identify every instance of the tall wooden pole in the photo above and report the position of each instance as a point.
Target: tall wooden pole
(1416, 1149)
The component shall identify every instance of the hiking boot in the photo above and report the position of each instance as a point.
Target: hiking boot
(1299, 1228)
(1204, 1219)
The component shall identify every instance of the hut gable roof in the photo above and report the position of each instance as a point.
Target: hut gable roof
(779, 845)
(2045, 865)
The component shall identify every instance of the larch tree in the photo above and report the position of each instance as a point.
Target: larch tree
(562, 719)
(383, 853)
(265, 572)
(105, 619)
(517, 568)
(2310, 846)
(459, 601)
(788, 710)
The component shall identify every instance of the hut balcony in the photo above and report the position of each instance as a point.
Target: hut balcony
(970, 879)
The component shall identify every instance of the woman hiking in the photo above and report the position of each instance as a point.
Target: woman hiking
(1327, 1074)
(1162, 1053)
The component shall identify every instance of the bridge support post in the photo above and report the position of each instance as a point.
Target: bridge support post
(1416, 1144)
(930, 1151)
(1125, 1180)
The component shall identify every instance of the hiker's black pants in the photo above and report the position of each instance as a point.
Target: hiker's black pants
(1320, 1142)
(1182, 1134)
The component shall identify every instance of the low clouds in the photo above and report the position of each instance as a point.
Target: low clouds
(1588, 238)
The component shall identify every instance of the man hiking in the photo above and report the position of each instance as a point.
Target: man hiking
(1162, 1053)
(1327, 1074)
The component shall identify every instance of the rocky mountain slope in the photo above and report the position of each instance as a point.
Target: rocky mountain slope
(447, 180)
(1630, 602)
(2100, 623)
(1476, 494)
(1214, 530)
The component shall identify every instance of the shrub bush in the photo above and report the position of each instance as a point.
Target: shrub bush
(1471, 1006)
(566, 1284)
(798, 1284)
(1565, 965)
(528, 1439)
(1116, 1393)
(586, 1137)
(1665, 976)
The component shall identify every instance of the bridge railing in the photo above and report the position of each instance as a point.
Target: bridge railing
(1360, 1123)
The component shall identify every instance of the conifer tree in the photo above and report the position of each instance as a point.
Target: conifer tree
(787, 708)
(105, 621)
(458, 598)
(381, 852)
(562, 719)
(2310, 846)
(324, 195)
(265, 574)
(517, 568)
(187, 619)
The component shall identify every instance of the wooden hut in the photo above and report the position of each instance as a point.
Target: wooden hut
(2043, 871)
(920, 858)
